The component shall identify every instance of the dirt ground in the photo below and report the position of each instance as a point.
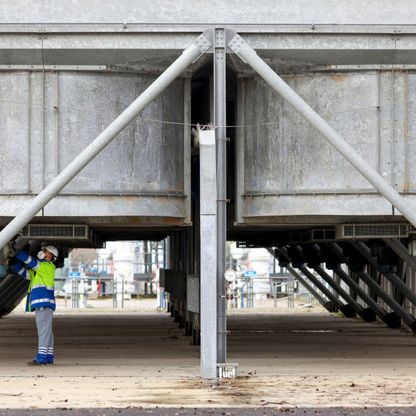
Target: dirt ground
(139, 358)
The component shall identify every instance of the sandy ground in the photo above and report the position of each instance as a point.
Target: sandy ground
(286, 359)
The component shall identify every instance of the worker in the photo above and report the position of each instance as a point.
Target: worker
(40, 297)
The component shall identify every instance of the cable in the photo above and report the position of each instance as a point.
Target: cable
(178, 123)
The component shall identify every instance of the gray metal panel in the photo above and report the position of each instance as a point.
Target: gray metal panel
(14, 132)
(290, 155)
(48, 118)
(219, 11)
(290, 170)
(411, 133)
(147, 156)
(36, 116)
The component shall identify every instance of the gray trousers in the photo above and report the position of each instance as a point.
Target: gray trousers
(45, 335)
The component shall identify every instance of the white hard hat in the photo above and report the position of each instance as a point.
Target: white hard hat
(52, 249)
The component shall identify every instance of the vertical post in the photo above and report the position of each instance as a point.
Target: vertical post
(187, 145)
(208, 282)
(220, 136)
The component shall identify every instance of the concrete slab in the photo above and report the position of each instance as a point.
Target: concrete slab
(131, 359)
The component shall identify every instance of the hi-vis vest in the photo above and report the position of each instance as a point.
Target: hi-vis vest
(41, 292)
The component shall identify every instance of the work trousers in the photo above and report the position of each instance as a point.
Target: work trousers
(44, 318)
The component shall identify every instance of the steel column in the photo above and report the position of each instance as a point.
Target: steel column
(321, 287)
(208, 281)
(325, 303)
(310, 288)
(392, 277)
(349, 299)
(239, 46)
(336, 303)
(401, 251)
(220, 136)
(407, 318)
(187, 147)
(189, 55)
(378, 310)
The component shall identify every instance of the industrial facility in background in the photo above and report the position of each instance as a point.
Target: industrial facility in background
(126, 270)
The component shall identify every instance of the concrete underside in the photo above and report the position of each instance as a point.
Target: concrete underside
(285, 360)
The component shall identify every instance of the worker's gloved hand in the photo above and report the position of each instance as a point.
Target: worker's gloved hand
(10, 250)
(14, 266)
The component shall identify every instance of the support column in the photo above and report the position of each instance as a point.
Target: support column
(345, 309)
(220, 136)
(367, 314)
(187, 146)
(392, 277)
(359, 310)
(408, 319)
(325, 303)
(208, 282)
(401, 251)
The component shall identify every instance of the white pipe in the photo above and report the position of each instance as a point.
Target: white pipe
(188, 56)
(249, 55)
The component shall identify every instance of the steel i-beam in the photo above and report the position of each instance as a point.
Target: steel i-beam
(359, 310)
(208, 282)
(392, 277)
(188, 56)
(345, 309)
(390, 320)
(368, 314)
(220, 136)
(401, 251)
(334, 303)
(325, 303)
